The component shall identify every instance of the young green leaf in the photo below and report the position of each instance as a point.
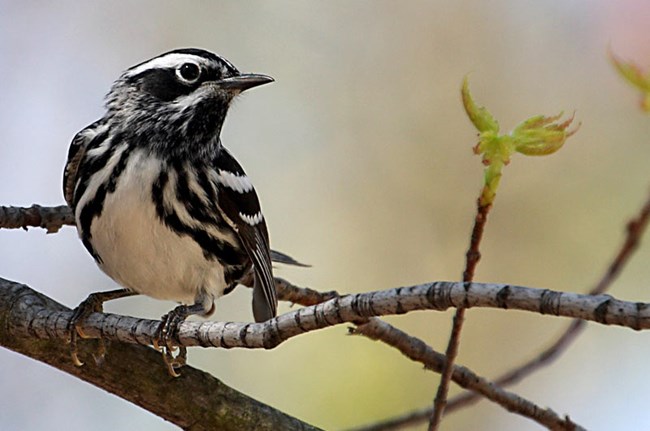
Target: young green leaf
(540, 135)
(537, 136)
(479, 116)
(636, 77)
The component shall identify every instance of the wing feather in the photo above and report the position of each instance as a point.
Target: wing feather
(238, 201)
(76, 153)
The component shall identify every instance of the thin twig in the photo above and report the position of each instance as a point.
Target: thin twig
(635, 229)
(472, 257)
(417, 350)
(464, 377)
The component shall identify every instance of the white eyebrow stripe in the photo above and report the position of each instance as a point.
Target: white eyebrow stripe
(167, 61)
(238, 183)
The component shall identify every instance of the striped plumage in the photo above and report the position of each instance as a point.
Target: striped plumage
(162, 206)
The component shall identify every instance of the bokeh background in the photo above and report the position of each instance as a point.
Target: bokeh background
(361, 154)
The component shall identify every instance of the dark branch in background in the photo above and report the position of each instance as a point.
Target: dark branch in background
(417, 350)
(634, 231)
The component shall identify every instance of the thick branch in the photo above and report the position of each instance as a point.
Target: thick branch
(134, 373)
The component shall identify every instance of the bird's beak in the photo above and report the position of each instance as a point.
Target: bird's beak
(244, 82)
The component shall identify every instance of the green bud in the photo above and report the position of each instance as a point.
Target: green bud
(536, 136)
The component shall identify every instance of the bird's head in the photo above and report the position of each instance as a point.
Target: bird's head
(180, 94)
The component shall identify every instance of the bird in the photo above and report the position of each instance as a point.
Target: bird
(161, 205)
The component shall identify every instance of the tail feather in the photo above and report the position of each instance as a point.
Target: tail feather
(262, 310)
(279, 257)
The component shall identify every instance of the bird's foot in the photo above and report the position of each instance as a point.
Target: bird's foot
(164, 338)
(92, 304)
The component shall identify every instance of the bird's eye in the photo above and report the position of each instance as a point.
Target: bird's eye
(188, 72)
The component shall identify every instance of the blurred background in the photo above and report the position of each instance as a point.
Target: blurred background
(361, 153)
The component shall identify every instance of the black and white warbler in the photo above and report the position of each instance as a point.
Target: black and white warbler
(164, 209)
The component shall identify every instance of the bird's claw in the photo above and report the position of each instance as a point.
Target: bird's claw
(174, 362)
(90, 305)
(164, 342)
(75, 358)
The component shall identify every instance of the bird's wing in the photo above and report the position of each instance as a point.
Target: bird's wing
(238, 201)
(76, 153)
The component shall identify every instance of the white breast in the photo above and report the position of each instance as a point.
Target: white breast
(139, 251)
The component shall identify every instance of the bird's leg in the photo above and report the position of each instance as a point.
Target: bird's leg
(92, 304)
(168, 331)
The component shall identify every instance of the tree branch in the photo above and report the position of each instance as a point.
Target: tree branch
(45, 323)
(472, 257)
(27, 315)
(417, 350)
(634, 231)
(635, 228)
(49, 218)
(464, 377)
(439, 295)
(195, 401)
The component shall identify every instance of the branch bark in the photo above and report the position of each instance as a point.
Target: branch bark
(47, 323)
(29, 316)
(48, 218)
(195, 401)
(464, 377)
(472, 257)
(417, 350)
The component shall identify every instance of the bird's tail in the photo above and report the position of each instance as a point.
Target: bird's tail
(279, 257)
